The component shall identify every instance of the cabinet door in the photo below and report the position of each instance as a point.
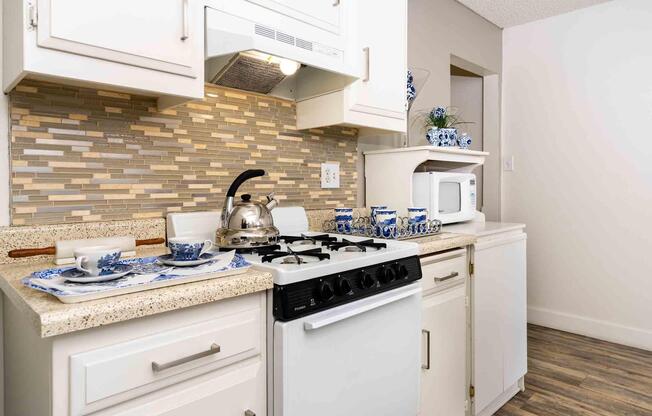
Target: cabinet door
(499, 318)
(488, 297)
(514, 319)
(443, 385)
(324, 14)
(151, 34)
(382, 39)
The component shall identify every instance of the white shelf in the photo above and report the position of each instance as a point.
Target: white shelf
(388, 173)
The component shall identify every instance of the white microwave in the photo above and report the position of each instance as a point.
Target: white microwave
(448, 196)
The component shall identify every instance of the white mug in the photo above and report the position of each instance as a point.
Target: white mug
(96, 259)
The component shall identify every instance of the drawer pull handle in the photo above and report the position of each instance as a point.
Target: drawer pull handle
(156, 367)
(249, 413)
(450, 276)
(427, 365)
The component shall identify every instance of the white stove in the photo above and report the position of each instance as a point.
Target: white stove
(320, 254)
(344, 330)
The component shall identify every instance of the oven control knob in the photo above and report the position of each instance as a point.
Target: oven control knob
(342, 286)
(403, 272)
(366, 280)
(387, 275)
(325, 291)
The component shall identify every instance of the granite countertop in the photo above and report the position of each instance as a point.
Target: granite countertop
(52, 317)
(442, 241)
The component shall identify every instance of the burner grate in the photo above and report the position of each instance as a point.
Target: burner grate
(307, 239)
(348, 245)
(294, 257)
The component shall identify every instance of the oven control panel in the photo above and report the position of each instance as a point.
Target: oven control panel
(304, 298)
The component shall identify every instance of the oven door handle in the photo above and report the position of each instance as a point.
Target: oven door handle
(350, 310)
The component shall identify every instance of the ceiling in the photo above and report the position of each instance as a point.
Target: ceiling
(505, 13)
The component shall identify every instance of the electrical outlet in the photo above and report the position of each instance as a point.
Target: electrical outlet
(330, 175)
(508, 164)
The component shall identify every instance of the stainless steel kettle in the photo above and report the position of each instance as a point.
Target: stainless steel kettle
(246, 223)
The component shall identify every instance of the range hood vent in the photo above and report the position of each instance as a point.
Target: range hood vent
(246, 72)
(237, 37)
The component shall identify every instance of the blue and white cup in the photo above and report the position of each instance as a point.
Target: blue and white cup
(386, 222)
(188, 248)
(96, 260)
(417, 218)
(344, 219)
(375, 208)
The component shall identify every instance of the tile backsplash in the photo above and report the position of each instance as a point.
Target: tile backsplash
(80, 154)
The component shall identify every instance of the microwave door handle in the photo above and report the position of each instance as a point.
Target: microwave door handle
(356, 308)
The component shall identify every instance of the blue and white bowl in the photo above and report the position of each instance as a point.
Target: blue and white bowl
(464, 141)
(442, 137)
(188, 248)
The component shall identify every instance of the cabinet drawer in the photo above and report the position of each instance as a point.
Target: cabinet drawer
(444, 270)
(109, 375)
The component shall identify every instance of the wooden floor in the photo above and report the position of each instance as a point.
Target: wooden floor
(571, 375)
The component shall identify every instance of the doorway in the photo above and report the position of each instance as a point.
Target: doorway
(467, 98)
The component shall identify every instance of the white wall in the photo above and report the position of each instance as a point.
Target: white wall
(577, 116)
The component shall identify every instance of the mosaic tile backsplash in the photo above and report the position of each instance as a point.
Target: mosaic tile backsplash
(82, 154)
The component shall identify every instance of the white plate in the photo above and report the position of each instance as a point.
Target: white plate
(74, 275)
(203, 259)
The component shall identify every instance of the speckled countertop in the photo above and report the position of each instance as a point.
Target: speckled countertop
(443, 241)
(51, 317)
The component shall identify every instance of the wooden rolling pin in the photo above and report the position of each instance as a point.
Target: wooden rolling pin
(63, 250)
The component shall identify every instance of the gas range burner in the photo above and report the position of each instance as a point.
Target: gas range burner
(260, 250)
(355, 245)
(307, 239)
(295, 257)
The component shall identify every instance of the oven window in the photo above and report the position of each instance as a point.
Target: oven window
(449, 197)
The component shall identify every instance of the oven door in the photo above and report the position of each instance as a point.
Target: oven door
(362, 358)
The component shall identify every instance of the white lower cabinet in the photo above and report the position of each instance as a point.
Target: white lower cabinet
(444, 374)
(499, 321)
(206, 360)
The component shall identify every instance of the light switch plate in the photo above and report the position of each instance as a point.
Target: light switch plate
(330, 175)
(508, 164)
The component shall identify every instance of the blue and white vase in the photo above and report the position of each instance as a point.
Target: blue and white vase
(411, 89)
(464, 141)
(445, 137)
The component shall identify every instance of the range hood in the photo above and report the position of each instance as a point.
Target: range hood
(253, 54)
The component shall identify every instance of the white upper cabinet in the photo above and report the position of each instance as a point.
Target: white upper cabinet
(324, 14)
(153, 47)
(147, 33)
(376, 100)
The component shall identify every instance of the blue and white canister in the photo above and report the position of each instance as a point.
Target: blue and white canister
(375, 208)
(344, 219)
(464, 141)
(386, 222)
(417, 217)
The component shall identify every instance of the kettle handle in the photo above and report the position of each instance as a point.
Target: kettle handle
(244, 176)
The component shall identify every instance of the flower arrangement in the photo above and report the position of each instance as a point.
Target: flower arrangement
(443, 118)
(440, 125)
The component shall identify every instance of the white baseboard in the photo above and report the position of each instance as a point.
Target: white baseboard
(604, 330)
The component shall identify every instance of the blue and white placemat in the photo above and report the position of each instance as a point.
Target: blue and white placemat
(148, 274)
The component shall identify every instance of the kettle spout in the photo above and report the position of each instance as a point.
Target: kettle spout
(228, 207)
(271, 202)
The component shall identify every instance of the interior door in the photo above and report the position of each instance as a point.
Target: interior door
(152, 34)
(324, 14)
(443, 374)
(382, 38)
(361, 358)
